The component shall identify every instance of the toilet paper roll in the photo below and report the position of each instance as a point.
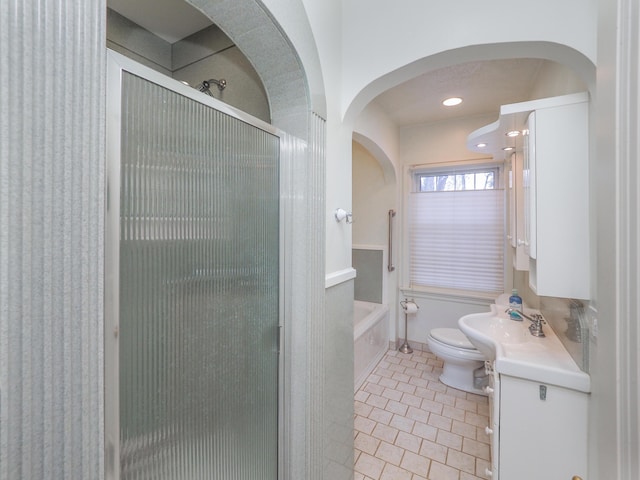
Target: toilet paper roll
(410, 307)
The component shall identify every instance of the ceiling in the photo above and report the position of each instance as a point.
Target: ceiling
(171, 20)
(484, 86)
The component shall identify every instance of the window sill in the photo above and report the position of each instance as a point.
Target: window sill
(450, 294)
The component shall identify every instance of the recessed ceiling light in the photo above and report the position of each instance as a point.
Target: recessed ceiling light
(507, 149)
(513, 133)
(481, 145)
(452, 102)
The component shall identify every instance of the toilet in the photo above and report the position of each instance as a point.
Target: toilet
(463, 363)
(461, 359)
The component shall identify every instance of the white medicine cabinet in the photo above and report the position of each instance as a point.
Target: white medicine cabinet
(546, 144)
(517, 225)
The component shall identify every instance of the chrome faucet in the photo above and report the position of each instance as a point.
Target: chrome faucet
(537, 320)
(512, 311)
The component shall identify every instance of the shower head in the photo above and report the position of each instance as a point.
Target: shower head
(205, 86)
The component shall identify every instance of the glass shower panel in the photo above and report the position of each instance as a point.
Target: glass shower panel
(199, 291)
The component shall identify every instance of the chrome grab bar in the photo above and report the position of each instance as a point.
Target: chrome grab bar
(390, 267)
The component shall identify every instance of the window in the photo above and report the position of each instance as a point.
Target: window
(456, 229)
(448, 182)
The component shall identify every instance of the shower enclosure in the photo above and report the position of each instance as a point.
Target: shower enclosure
(193, 286)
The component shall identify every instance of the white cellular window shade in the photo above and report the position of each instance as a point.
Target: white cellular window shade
(456, 235)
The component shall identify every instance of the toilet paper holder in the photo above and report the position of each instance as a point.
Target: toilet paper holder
(409, 307)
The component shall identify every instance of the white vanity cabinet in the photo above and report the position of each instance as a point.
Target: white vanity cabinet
(538, 399)
(543, 431)
(557, 213)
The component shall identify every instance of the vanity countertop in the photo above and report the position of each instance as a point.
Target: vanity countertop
(519, 354)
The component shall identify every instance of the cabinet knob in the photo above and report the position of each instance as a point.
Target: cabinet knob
(576, 477)
(488, 472)
(488, 431)
(488, 390)
(520, 242)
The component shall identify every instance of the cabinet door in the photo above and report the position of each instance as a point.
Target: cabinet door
(529, 186)
(513, 215)
(517, 226)
(559, 195)
(543, 431)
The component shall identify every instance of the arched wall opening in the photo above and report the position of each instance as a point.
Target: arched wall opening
(386, 164)
(388, 141)
(562, 54)
(374, 193)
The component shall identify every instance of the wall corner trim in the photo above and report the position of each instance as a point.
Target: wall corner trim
(341, 276)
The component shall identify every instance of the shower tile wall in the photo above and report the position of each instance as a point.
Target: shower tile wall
(202, 44)
(369, 268)
(133, 41)
(206, 54)
(52, 204)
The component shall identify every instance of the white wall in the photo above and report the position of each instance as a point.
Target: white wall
(373, 197)
(555, 79)
(379, 135)
(615, 366)
(382, 37)
(440, 142)
(325, 19)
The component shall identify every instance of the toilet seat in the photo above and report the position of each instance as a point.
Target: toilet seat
(453, 337)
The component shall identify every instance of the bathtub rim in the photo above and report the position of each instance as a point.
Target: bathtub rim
(379, 313)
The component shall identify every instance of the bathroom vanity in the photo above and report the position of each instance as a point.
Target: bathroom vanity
(538, 395)
(538, 399)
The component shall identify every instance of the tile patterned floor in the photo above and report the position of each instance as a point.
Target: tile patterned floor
(410, 426)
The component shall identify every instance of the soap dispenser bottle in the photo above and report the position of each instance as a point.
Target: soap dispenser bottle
(515, 302)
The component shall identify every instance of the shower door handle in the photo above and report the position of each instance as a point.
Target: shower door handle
(390, 267)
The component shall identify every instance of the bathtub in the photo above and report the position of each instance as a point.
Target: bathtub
(370, 337)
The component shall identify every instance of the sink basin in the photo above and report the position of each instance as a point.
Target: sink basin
(489, 332)
(515, 352)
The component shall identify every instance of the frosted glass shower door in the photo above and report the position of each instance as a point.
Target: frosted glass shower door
(198, 290)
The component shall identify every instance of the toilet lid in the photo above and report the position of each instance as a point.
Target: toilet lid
(453, 337)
